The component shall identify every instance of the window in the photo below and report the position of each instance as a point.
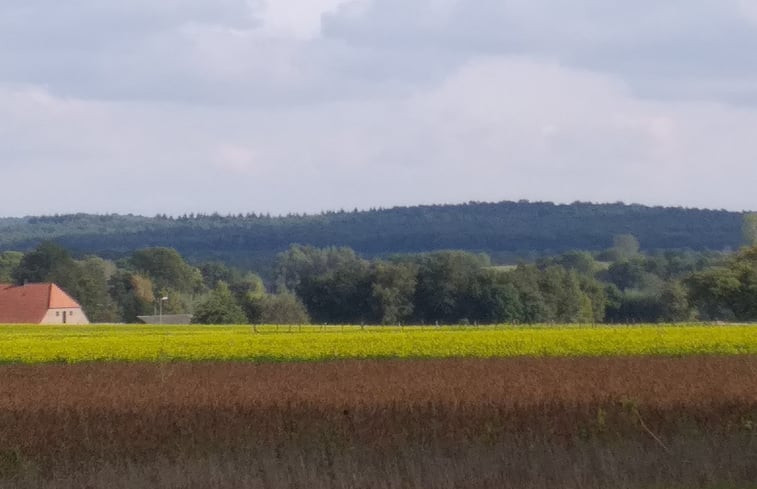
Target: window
(57, 313)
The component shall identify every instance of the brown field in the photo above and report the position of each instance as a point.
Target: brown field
(507, 423)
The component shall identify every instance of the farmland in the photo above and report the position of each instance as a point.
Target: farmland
(456, 423)
(51, 344)
(352, 407)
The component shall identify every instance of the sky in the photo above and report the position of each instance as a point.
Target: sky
(179, 106)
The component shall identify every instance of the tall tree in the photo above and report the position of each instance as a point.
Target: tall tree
(9, 261)
(562, 293)
(727, 292)
(525, 279)
(392, 290)
(675, 303)
(48, 262)
(301, 263)
(132, 295)
(442, 279)
(492, 299)
(219, 308)
(167, 269)
(91, 289)
(627, 274)
(341, 295)
(284, 308)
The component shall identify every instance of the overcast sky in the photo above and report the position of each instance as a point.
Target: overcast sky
(177, 106)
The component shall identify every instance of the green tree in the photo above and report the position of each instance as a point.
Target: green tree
(443, 279)
(219, 308)
(525, 279)
(302, 263)
(634, 306)
(284, 308)
(749, 229)
(247, 288)
(214, 272)
(711, 291)
(627, 274)
(562, 293)
(392, 290)
(596, 294)
(167, 269)
(90, 287)
(132, 295)
(625, 246)
(48, 262)
(493, 299)
(341, 294)
(247, 284)
(250, 293)
(580, 261)
(9, 261)
(675, 303)
(727, 292)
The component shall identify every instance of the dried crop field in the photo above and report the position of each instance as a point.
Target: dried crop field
(651, 422)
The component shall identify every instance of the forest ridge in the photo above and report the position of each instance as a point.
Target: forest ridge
(505, 230)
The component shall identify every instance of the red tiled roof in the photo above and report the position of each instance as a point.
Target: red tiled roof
(61, 300)
(29, 303)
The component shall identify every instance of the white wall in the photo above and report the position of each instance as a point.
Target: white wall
(73, 316)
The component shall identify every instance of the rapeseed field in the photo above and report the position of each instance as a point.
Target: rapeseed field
(76, 344)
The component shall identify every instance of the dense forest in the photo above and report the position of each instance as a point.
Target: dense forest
(619, 284)
(506, 231)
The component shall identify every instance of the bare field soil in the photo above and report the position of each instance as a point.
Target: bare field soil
(503, 423)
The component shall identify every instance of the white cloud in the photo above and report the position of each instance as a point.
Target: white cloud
(497, 128)
(696, 45)
(749, 8)
(295, 105)
(236, 159)
(300, 19)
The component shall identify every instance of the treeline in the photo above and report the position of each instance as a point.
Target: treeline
(506, 231)
(337, 285)
(618, 285)
(152, 280)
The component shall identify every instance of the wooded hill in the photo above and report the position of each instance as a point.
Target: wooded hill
(505, 230)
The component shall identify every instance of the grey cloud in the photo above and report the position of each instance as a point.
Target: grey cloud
(205, 51)
(90, 25)
(394, 103)
(644, 42)
(110, 49)
(495, 129)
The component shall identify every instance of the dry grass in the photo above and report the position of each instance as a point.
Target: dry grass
(521, 423)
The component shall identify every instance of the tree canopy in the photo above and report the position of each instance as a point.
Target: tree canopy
(504, 230)
(337, 285)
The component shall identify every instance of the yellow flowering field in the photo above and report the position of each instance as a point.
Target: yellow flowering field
(74, 344)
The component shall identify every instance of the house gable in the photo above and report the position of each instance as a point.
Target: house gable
(38, 303)
(60, 300)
